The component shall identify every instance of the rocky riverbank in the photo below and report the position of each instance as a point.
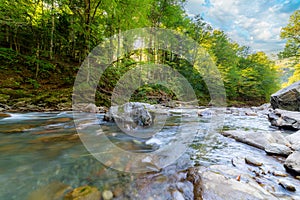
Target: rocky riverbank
(250, 158)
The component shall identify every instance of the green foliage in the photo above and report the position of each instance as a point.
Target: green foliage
(292, 47)
(258, 77)
(295, 77)
(292, 34)
(153, 94)
(8, 55)
(33, 82)
(36, 35)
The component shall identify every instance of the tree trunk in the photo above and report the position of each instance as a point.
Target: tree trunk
(52, 30)
(37, 54)
(87, 14)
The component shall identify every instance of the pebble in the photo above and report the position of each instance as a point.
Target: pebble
(252, 161)
(278, 173)
(107, 195)
(288, 186)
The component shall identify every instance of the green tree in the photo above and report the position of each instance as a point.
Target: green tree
(292, 47)
(292, 35)
(258, 77)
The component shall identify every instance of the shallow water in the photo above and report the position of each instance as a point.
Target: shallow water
(39, 149)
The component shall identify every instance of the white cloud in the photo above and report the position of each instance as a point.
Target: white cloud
(252, 23)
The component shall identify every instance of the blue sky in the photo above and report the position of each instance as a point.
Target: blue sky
(254, 23)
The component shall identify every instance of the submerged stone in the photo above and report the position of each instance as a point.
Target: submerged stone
(83, 193)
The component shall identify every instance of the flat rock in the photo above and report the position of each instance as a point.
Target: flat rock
(294, 139)
(287, 98)
(285, 119)
(258, 139)
(278, 149)
(219, 182)
(292, 163)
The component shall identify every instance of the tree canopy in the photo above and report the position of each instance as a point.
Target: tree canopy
(291, 33)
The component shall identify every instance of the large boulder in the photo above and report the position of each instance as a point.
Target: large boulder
(292, 163)
(285, 119)
(294, 139)
(132, 114)
(287, 98)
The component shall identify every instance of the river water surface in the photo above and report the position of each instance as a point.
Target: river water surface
(42, 150)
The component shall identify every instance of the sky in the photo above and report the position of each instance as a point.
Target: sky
(253, 23)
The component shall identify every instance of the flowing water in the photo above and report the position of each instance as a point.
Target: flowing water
(42, 150)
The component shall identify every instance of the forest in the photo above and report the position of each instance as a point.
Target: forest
(44, 42)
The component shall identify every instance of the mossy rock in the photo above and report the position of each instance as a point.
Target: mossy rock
(4, 98)
(15, 93)
(83, 193)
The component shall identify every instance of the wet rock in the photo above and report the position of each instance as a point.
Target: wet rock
(265, 106)
(64, 106)
(4, 107)
(206, 112)
(131, 114)
(292, 163)
(287, 185)
(194, 177)
(294, 139)
(53, 191)
(4, 115)
(17, 128)
(219, 182)
(258, 139)
(59, 120)
(296, 147)
(287, 98)
(250, 113)
(253, 161)
(177, 195)
(83, 193)
(285, 119)
(85, 107)
(279, 173)
(278, 149)
(107, 195)
(59, 138)
(118, 191)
